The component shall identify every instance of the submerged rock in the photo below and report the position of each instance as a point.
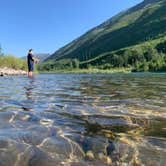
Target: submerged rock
(110, 148)
(35, 156)
(1, 74)
(62, 148)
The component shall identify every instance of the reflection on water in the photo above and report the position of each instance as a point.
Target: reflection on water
(29, 93)
(77, 120)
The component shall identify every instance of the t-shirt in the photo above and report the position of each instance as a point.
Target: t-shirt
(30, 60)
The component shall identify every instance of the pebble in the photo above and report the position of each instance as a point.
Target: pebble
(90, 155)
(108, 135)
(104, 158)
(101, 156)
(109, 161)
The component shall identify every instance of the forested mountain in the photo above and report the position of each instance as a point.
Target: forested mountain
(141, 25)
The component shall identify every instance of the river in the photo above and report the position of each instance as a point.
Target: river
(83, 119)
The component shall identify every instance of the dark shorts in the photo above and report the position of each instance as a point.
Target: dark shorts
(30, 67)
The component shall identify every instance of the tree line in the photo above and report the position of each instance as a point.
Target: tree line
(11, 61)
(139, 59)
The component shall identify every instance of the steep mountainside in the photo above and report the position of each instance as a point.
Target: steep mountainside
(143, 22)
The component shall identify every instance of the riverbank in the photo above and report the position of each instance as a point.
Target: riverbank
(9, 71)
(88, 71)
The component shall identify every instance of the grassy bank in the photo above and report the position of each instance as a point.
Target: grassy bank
(12, 62)
(93, 70)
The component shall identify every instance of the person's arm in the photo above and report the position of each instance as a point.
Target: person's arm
(34, 59)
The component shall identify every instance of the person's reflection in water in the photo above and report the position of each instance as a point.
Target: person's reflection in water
(29, 94)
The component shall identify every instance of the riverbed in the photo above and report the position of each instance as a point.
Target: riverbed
(83, 119)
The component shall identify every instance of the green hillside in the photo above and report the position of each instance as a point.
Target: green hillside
(142, 24)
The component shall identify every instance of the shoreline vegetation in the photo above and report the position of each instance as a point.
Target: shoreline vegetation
(88, 71)
(149, 56)
(10, 65)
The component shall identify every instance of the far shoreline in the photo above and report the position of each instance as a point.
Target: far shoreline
(87, 71)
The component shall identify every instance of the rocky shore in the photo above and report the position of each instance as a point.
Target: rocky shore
(8, 71)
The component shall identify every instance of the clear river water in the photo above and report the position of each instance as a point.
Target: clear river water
(83, 120)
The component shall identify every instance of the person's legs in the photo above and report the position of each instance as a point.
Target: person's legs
(30, 74)
(30, 70)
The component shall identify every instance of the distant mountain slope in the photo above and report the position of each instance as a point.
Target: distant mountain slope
(140, 23)
(41, 56)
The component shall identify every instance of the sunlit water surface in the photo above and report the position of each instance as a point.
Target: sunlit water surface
(81, 120)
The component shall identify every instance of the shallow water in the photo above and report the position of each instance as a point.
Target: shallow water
(80, 120)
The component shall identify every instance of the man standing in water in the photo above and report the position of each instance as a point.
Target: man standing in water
(31, 60)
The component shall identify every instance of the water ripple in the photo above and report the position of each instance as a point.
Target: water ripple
(87, 119)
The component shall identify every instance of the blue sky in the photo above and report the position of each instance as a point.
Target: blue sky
(47, 25)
